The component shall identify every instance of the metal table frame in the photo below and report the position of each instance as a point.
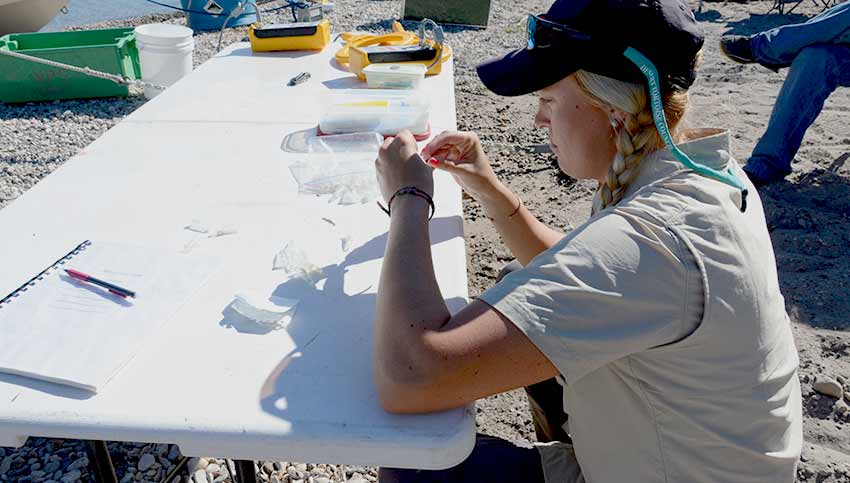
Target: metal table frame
(100, 464)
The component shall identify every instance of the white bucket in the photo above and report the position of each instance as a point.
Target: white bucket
(165, 54)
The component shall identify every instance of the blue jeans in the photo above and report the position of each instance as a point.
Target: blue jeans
(818, 52)
(493, 460)
(779, 47)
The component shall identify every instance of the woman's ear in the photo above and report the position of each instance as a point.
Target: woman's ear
(618, 118)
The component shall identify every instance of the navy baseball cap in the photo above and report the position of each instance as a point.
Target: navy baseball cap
(592, 35)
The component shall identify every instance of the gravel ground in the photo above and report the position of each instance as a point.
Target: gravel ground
(809, 218)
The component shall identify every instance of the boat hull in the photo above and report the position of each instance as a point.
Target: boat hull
(17, 16)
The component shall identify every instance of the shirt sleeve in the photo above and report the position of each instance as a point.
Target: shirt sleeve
(615, 286)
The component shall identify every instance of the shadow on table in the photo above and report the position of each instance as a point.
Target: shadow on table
(247, 52)
(336, 65)
(350, 82)
(322, 318)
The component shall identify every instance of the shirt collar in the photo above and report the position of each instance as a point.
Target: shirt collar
(709, 147)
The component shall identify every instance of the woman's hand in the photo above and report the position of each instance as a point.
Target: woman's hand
(399, 165)
(461, 154)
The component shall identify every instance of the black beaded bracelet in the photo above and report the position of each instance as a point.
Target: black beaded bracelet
(409, 190)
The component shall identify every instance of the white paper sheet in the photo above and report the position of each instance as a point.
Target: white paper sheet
(70, 332)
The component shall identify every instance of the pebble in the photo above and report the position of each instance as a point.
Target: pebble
(268, 468)
(127, 478)
(146, 461)
(294, 474)
(828, 386)
(357, 478)
(196, 463)
(213, 468)
(51, 466)
(174, 453)
(78, 464)
(71, 476)
(200, 476)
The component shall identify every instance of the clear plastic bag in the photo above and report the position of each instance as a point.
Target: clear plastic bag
(348, 179)
(358, 142)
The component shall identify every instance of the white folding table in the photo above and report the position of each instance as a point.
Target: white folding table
(208, 148)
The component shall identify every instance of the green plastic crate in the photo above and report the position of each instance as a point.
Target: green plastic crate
(107, 50)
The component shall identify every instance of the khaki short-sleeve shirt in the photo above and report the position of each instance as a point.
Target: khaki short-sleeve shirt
(663, 315)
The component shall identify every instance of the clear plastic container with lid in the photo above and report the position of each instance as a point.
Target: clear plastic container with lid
(384, 111)
(394, 76)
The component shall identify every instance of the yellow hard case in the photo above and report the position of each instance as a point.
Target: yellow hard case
(317, 41)
(358, 60)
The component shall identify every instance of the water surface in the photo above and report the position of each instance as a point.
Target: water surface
(82, 12)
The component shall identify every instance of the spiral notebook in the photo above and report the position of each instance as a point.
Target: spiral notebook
(58, 329)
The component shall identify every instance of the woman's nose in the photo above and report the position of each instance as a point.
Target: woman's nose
(540, 120)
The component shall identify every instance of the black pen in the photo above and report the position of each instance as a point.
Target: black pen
(302, 77)
(114, 289)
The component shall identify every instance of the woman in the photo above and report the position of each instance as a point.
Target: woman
(661, 315)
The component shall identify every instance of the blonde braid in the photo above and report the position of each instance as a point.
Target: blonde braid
(636, 136)
(635, 139)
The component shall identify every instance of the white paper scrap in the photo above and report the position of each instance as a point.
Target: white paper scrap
(222, 231)
(197, 227)
(293, 261)
(272, 311)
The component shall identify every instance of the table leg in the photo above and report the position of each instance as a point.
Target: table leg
(98, 454)
(175, 472)
(245, 471)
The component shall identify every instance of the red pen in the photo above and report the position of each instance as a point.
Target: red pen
(111, 287)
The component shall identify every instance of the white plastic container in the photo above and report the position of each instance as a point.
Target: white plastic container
(384, 111)
(165, 54)
(394, 76)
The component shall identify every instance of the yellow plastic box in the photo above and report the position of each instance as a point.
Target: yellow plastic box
(290, 36)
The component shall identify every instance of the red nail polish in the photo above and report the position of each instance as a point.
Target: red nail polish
(433, 161)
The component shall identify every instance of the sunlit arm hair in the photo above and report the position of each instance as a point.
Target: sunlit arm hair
(636, 136)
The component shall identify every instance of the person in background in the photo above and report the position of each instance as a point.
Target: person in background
(818, 52)
(659, 320)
